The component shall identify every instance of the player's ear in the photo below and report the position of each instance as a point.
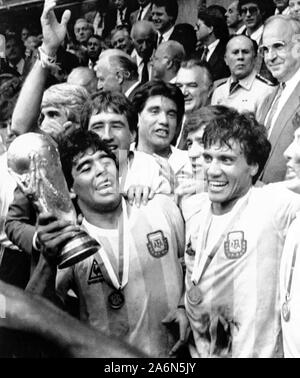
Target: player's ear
(254, 169)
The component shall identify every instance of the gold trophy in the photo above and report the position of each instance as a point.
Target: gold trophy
(33, 160)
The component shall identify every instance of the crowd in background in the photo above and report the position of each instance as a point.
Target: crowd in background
(200, 123)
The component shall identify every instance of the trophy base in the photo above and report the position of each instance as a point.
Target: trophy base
(77, 249)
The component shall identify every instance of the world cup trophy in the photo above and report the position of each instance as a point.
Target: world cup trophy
(33, 160)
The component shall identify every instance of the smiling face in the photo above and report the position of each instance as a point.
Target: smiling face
(292, 156)
(240, 57)
(121, 40)
(228, 175)
(113, 128)
(194, 86)
(95, 182)
(283, 62)
(157, 124)
(161, 20)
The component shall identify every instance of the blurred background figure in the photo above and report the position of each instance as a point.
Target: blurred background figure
(120, 39)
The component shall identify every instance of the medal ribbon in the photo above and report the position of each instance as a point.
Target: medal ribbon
(202, 260)
(288, 290)
(120, 280)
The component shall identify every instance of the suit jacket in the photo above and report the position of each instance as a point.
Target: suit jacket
(134, 15)
(281, 135)
(216, 62)
(20, 222)
(219, 69)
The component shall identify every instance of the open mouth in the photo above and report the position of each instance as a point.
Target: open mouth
(162, 133)
(217, 186)
(104, 187)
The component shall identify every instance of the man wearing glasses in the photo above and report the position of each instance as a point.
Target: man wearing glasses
(280, 111)
(252, 15)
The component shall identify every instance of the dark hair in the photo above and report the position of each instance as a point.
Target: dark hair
(186, 35)
(219, 25)
(259, 3)
(96, 36)
(17, 39)
(216, 10)
(77, 143)
(159, 88)
(113, 101)
(244, 129)
(171, 7)
(201, 117)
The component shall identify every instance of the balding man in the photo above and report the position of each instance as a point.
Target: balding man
(83, 30)
(244, 90)
(166, 61)
(234, 19)
(84, 77)
(116, 71)
(280, 111)
(144, 39)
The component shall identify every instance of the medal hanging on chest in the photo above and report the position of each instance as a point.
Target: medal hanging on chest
(204, 255)
(285, 311)
(117, 281)
(116, 299)
(194, 295)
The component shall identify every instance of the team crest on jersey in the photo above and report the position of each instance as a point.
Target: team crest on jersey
(158, 245)
(95, 275)
(235, 245)
(189, 250)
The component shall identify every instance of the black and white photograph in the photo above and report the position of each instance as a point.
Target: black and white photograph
(149, 182)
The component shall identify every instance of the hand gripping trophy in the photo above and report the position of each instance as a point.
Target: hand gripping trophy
(34, 162)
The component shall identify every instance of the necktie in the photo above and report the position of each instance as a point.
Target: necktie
(121, 16)
(234, 86)
(140, 14)
(274, 106)
(145, 72)
(204, 54)
(160, 39)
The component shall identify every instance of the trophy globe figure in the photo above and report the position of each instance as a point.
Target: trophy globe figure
(33, 160)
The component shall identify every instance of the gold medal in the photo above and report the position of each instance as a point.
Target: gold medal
(285, 310)
(194, 295)
(116, 299)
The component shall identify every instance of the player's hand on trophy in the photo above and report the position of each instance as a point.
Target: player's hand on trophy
(54, 32)
(53, 234)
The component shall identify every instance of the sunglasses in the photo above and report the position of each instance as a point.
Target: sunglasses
(252, 10)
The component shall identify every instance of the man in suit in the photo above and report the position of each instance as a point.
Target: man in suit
(212, 36)
(233, 19)
(116, 71)
(164, 16)
(121, 13)
(144, 13)
(144, 39)
(280, 111)
(166, 61)
(14, 63)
